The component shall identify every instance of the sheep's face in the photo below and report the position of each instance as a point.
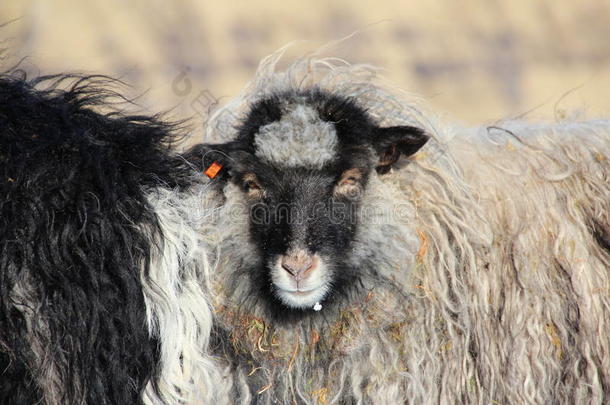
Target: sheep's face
(302, 162)
(302, 220)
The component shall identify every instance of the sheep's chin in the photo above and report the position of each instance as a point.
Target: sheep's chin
(302, 299)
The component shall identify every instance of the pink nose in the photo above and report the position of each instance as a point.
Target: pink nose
(298, 263)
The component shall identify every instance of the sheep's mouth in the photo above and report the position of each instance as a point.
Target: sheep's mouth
(302, 298)
(299, 292)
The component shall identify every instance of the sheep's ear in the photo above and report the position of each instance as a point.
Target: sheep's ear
(212, 160)
(391, 142)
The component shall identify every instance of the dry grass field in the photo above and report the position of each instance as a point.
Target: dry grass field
(477, 60)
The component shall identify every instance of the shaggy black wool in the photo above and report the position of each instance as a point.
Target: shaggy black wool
(74, 173)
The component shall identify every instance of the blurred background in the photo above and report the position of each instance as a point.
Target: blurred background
(477, 60)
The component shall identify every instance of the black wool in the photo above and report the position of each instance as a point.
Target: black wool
(74, 172)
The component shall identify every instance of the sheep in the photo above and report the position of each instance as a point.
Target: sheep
(365, 251)
(102, 276)
(337, 243)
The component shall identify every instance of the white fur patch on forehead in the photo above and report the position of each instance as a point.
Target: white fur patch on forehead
(300, 138)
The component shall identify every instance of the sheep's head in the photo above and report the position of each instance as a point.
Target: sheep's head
(302, 161)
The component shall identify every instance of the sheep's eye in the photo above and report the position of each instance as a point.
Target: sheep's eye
(251, 185)
(349, 184)
(349, 181)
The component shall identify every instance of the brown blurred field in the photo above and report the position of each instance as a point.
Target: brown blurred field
(478, 60)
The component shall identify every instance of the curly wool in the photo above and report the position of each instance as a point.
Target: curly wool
(493, 281)
(102, 289)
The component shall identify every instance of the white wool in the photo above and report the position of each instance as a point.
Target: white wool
(300, 138)
(176, 291)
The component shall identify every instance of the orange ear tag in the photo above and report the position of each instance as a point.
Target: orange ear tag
(213, 170)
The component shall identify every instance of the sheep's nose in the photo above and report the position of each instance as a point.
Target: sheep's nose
(298, 263)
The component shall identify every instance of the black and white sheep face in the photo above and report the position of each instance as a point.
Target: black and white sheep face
(302, 162)
(302, 221)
